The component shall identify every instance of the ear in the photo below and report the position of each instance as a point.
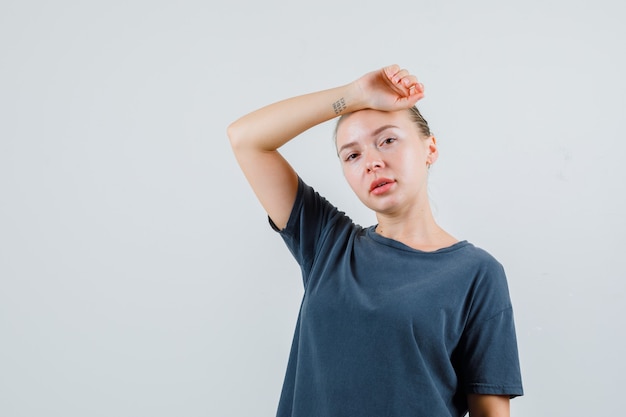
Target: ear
(433, 151)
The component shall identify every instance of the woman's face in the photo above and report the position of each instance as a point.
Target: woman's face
(385, 159)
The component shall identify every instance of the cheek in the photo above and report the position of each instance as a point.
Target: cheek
(414, 159)
(352, 174)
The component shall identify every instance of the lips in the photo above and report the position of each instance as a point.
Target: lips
(380, 185)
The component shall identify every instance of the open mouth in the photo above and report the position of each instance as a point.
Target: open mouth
(380, 185)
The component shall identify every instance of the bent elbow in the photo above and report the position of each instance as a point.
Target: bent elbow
(234, 135)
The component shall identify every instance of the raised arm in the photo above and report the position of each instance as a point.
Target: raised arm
(256, 137)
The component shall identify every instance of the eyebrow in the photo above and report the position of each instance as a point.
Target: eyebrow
(374, 133)
(383, 128)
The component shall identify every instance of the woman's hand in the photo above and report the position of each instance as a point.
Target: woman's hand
(390, 88)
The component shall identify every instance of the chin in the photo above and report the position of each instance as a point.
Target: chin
(386, 207)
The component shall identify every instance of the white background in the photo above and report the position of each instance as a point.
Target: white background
(138, 275)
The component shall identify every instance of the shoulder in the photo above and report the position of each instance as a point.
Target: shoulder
(313, 218)
(490, 287)
(480, 258)
(486, 274)
(470, 258)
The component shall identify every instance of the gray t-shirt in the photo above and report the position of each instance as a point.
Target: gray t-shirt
(385, 330)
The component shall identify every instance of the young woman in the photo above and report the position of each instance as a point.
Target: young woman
(397, 319)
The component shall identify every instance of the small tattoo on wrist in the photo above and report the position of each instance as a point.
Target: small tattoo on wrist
(339, 106)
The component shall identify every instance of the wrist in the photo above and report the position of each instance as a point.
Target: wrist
(350, 99)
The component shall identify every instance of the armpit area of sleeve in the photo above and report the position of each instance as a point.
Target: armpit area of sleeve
(273, 225)
(511, 391)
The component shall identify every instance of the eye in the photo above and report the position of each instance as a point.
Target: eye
(351, 156)
(388, 141)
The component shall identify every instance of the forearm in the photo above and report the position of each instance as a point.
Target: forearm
(270, 127)
(488, 405)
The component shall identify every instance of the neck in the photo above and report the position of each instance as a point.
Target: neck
(419, 231)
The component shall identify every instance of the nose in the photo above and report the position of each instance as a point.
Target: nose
(373, 162)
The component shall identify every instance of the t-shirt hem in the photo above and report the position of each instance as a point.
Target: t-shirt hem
(491, 389)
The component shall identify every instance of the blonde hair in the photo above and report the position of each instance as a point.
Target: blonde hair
(419, 120)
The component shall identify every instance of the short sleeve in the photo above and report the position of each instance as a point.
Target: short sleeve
(309, 222)
(491, 360)
(488, 350)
